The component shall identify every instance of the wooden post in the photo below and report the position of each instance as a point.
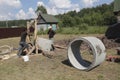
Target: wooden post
(28, 24)
(118, 18)
(35, 35)
(34, 25)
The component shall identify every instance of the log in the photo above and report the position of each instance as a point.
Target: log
(60, 47)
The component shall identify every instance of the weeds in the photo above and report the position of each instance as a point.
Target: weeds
(83, 29)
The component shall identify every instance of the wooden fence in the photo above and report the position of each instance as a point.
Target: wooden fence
(10, 32)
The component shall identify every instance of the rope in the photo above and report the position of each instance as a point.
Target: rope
(5, 49)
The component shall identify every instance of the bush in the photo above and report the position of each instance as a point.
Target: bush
(83, 26)
(97, 29)
(83, 29)
(41, 31)
(59, 30)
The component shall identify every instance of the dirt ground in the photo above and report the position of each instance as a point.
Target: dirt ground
(58, 66)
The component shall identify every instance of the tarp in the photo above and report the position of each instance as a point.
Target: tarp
(113, 32)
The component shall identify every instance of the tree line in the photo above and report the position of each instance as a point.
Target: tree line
(96, 16)
(10, 23)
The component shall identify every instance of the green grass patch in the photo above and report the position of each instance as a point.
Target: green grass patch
(81, 30)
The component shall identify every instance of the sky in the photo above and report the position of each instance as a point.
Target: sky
(25, 9)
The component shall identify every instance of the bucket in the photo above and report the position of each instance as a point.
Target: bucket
(25, 58)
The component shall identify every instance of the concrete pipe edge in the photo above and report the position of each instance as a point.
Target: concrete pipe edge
(75, 57)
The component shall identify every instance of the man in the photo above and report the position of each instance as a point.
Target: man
(23, 44)
(51, 34)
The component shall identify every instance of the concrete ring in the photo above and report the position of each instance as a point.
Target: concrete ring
(74, 55)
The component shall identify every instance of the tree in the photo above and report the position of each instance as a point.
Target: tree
(68, 21)
(41, 9)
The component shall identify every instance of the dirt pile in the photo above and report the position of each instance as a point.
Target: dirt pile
(109, 43)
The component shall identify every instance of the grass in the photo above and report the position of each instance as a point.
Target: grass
(58, 68)
(79, 30)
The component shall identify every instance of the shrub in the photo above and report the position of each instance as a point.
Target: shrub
(85, 29)
(83, 26)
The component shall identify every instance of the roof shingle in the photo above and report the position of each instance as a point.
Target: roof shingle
(47, 19)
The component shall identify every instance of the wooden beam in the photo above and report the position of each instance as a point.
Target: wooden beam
(60, 47)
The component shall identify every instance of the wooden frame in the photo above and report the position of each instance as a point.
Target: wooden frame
(33, 24)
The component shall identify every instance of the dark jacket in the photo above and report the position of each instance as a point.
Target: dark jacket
(23, 37)
(51, 33)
